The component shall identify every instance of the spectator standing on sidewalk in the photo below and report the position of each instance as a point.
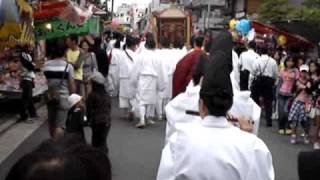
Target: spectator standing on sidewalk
(72, 54)
(87, 60)
(59, 75)
(99, 112)
(301, 105)
(27, 84)
(286, 86)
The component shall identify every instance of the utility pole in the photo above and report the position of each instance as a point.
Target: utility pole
(208, 15)
(112, 5)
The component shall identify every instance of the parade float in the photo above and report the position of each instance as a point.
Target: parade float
(171, 23)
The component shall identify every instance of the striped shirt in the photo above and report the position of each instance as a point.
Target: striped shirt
(54, 70)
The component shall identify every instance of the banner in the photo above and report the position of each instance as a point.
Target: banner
(15, 23)
(60, 28)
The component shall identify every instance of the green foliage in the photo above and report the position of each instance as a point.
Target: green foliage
(311, 11)
(276, 10)
(282, 10)
(311, 3)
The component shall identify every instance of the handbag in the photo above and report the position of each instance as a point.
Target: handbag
(52, 94)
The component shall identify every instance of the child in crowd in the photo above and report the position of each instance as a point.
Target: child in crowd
(98, 112)
(74, 123)
(301, 105)
(288, 77)
(315, 79)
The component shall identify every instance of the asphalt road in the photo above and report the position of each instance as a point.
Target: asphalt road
(135, 153)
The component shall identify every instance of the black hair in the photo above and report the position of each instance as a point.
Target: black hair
(289, 57)
(67, 158)
(164, 42)
(178, 43)
(200, 68)
(252, 45)
(198, 41)
(98, 88)
(150, 42)
(97, 41)
(218, 105)
(130, 41)
(263, 50)
(56, 48)
(191, 41)
(85, 41)
(74, 37)
(117, 44)
(317, 65)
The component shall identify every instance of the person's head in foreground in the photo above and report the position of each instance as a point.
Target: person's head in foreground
(66, 159)
(216, 95)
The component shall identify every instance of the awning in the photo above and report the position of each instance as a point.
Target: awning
(292, 39)
(302, 28)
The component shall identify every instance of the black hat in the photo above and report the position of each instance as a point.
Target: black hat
(216, 90)
(223, 42)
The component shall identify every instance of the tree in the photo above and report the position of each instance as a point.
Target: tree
(276, 10)
(310, 12)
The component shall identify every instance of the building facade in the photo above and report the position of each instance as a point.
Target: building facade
(214, 14)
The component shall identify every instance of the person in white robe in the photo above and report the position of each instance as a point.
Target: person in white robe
(247, 60)
(126, 92)
(211, 148)
(166, 56)
(147, 79)
(113, 79)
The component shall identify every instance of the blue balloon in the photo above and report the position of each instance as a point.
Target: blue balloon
(243, 26)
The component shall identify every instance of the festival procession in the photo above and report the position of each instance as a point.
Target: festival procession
(159, 89)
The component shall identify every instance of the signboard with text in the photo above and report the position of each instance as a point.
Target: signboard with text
(60, 28)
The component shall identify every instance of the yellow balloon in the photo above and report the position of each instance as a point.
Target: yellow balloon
(232, 24)
(234, 35)
(282, 40)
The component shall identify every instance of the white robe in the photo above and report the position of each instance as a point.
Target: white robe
(147, 77)
(212, 149)
(113, 74)
(125, 67)
(188, 101)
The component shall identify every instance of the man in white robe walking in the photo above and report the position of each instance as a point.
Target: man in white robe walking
(147, 79)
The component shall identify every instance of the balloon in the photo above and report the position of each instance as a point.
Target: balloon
(282, 40)
(243, 26)
(232, 24)
(251, 35)
(234, 35)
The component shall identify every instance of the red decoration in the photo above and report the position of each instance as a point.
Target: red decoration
(43, 10)
(291, 38)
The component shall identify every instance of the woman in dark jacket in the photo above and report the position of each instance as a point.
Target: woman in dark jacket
(98, 112)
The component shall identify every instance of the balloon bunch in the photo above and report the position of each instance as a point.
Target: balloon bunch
(242, 29)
